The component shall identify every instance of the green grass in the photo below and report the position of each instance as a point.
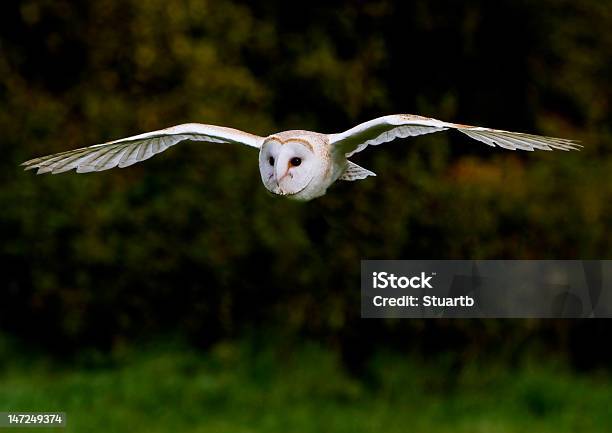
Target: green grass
(238, 387)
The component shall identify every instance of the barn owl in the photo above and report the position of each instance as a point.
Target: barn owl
(299, 165)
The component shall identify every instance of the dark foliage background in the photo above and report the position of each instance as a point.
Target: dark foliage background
(191, 243)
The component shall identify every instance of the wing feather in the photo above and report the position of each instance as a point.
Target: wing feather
(388, 128)
(127, 151)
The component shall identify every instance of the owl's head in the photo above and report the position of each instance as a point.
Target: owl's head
(289, 167)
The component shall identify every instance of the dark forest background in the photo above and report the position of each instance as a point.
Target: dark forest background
(190, 243)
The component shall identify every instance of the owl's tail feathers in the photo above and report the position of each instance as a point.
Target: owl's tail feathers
(355, 172)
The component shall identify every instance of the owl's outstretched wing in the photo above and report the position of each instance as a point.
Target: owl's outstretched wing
(388, 128)
(130, 150)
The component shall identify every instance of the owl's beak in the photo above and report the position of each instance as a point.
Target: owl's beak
(280, 190)
(278, 187)
(282, 177)
(279, 176)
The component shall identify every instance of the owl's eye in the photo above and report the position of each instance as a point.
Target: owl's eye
(295, 161)
(271, 160)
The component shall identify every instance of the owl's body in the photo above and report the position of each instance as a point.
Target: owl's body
(297, 164)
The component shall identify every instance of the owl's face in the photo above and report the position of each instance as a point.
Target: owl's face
(289, 167)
